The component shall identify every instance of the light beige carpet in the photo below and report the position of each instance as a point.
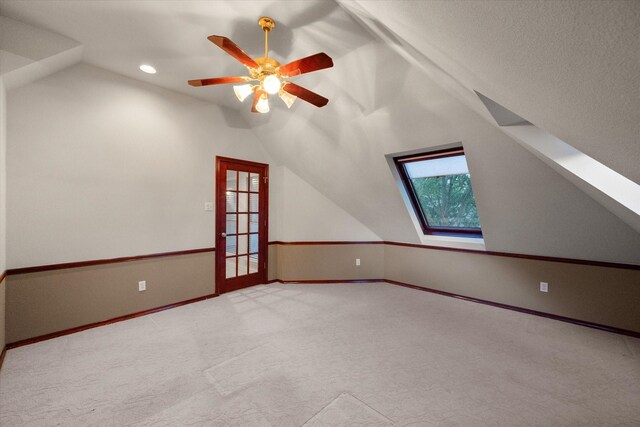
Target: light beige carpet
(327, 355)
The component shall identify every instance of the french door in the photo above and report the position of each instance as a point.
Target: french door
(242, 194)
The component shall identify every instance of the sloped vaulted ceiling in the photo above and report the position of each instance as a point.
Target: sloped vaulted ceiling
(569, 67)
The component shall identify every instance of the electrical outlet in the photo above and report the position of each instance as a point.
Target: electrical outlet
(544, 287)
(142, 285)
(357, 261)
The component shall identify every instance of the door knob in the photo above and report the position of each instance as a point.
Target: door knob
(223, 234)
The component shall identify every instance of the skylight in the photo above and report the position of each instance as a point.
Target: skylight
(439, 187)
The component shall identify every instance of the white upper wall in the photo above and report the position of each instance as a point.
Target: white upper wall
(103, 166)
(379, 104)
(524, 206)
(305, 214)
(3, 178)
(116, 167)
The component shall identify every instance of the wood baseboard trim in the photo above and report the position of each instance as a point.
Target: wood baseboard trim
(4, 352)
(106, 322)
(565, 319)
(38, 268)
(303, 282)
(522, 256)
(77, 264)
(592, 325)
(328, 242)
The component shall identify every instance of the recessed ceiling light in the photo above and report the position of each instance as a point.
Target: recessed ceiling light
(147, 69)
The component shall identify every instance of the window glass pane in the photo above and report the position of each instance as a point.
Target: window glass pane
(253, 242)
(242, 265)
(231, 245)
(242, 202)
(243, 184)
(253, 263)
(447, 201)
(231, 180)
(441, 193)
(253, 223)
(253, 202)
(243, 223)
(242, 244)
(231, 224)
(254, 182)
(454, 165)
(231, 267)
(231, 201)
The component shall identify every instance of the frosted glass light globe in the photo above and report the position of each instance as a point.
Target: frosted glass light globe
(271, 84)
(262, 106)
(243, 91)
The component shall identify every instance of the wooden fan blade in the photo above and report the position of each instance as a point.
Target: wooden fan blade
(219, 81)
(232, 49)
(256, 98)
(316, 62)
(305, 94)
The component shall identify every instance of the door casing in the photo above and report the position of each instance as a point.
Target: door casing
(224, 284)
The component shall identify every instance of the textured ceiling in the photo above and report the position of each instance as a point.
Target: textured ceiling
(571, 68)
(172, 35)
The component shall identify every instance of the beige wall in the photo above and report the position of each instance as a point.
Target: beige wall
(272, 274)
(330, 262)
(608, 296)
(51, 301)
(3, 341)
(3, 204)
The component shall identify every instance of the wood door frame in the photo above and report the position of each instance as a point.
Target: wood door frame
(220, 223)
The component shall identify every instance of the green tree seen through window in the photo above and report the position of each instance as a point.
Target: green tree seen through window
(447, 201)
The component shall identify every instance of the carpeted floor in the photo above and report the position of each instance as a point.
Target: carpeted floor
(327, 355)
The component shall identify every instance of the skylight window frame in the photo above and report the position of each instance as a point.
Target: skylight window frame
(427, 229)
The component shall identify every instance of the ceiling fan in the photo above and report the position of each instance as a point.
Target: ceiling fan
(271, 77)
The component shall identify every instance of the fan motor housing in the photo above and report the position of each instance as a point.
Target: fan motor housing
(267, 66)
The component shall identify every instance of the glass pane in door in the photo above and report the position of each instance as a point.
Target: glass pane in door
(241, 248)
(243, 223)
(242, 244)
(242, 265)
(254, 182)
(231, 224)
(243, 184)
(253, 223)
(231, 267)
(232, 180)
(253, 263)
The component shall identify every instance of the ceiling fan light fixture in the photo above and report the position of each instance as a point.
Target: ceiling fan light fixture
(287, 98)
(262, 106)
(243, 91)
(271, 84)
(269, 77)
